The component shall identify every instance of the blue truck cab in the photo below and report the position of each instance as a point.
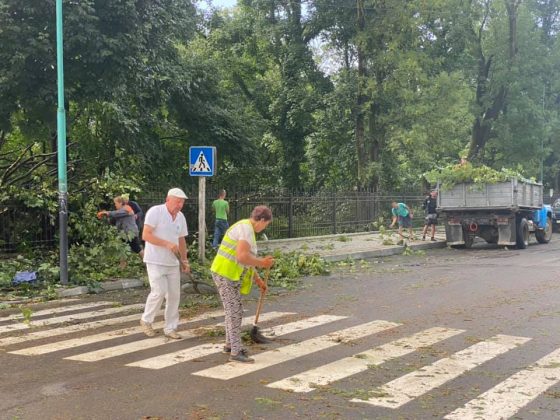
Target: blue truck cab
(543, 216)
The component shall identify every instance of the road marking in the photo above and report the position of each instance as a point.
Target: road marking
(57, 310)
(66, 318)
(7, 341)
(106, 353)
(170, 359)
(323, 375)
(303, 348)
(404, 389)
(82, 341)
(37, 335)
(508, 397)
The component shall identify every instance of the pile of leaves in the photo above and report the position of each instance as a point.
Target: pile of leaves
(88, 265)
(451, 175)
(287, 271)
(290, 267)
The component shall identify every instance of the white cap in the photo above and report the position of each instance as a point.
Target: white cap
(176, 192)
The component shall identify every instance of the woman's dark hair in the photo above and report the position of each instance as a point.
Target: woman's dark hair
(261, 213)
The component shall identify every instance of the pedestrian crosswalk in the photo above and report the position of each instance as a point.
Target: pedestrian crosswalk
(508, 397)
(292, 351)
(143, 344)
(105, 335)
(170, 359)
(68, 318)
(308, 381)
(404, 389)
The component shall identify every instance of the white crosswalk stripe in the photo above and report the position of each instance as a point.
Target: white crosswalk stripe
(68, 318)
(303, 348)
(507, 398)
(170, 359)
(340, 369)
(82, 341)
(68, 329)
(58, 310)
(144, 344)
(404, 389)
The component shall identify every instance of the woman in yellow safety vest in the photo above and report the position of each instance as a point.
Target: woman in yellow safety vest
(233, 271)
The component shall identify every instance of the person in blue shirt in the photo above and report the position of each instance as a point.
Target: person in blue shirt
(403, 215)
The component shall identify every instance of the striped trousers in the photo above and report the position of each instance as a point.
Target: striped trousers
(231, 299)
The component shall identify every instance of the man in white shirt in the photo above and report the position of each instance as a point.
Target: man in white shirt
(165, 229)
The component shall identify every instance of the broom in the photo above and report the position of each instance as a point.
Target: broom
(256, 335)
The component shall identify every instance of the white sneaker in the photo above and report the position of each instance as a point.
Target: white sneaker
(147, 329)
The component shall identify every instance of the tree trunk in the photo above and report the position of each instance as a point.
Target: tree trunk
(482, 126)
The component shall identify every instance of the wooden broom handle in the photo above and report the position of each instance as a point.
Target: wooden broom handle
(261, 298)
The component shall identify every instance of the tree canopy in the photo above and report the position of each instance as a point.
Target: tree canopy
(298, 94)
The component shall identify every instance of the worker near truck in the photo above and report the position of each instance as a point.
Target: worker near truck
(403, 215)
(430, 221)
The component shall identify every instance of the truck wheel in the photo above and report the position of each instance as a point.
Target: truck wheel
(469, 239)
(544, 236)
(522, 239)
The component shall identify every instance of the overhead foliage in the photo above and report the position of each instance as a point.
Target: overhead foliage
(316, 94)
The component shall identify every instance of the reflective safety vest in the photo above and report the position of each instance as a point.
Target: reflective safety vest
(225, 263)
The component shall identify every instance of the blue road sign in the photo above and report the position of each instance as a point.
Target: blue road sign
(202, 161)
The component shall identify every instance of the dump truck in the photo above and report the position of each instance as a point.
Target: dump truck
(503, 213)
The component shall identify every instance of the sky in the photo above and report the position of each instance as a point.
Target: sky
(224, 3)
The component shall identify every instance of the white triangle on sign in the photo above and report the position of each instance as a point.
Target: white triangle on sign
(201, 164)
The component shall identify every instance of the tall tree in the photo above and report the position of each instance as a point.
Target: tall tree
(493, 77)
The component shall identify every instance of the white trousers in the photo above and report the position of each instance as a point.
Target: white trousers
(165, 283)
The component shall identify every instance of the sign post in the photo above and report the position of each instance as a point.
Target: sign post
(61, 150)
(202, 219)
(202, 163)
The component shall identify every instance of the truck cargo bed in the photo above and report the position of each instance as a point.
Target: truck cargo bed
(508, 195)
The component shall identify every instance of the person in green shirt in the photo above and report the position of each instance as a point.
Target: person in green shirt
(221, 207)
(403, 215)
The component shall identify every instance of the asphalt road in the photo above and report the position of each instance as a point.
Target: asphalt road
(449, 333)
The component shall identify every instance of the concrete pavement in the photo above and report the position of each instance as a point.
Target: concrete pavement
(351, 246)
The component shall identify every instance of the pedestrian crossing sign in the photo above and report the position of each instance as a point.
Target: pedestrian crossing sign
(202, 161)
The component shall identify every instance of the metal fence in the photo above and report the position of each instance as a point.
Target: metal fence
(295, 214)
(22, 228)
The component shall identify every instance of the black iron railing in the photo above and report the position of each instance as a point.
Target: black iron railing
(296, 214)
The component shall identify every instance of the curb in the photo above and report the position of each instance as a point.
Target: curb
(387, 252)
(357, 255)
(311, 238)
(106, 286)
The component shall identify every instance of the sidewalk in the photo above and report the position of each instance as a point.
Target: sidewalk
(352, 245)
(332, 248)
